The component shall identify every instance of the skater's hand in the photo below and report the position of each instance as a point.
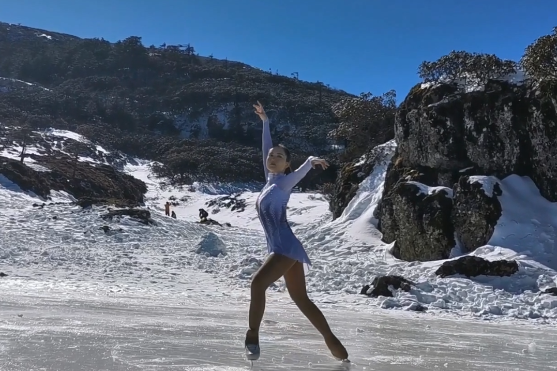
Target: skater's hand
(260, 111)
(319, 161)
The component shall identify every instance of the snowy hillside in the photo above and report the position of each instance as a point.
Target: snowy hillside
(61, 244)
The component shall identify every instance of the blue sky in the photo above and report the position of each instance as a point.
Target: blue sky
(354, 45)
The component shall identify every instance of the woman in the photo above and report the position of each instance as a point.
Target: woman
(287, 255)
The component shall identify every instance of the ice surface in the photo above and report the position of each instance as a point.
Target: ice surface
(203, 329)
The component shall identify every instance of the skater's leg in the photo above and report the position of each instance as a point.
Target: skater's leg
(272, 269)
(296, 285)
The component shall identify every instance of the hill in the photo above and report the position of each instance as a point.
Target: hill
(166, 103)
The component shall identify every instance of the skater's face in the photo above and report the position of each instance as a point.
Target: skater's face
(278, 160)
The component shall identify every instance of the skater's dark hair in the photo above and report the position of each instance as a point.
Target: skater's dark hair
(288, 170)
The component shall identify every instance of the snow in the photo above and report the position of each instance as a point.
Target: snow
(469, 83)
(487, 182)
(11, 80)
(134, 281)
(427, 190)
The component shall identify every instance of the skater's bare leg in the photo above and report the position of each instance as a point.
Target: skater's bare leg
(272, 269)
(296, 285)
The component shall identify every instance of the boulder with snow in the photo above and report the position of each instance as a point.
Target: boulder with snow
(472, 266)
(141, 215)
(550, 291)
(418, 218)
(476, 210)
(382, 285)
(501, 129)
(211, 245)
(93, 183)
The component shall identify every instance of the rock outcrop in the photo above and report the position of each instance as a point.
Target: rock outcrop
(88, 183)
(381, 286)
(472, 266)
(141, 215)
(441, 188)
(503, 129)
(476, 210)
(419, 219)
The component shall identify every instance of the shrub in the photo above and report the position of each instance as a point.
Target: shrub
(540, 58)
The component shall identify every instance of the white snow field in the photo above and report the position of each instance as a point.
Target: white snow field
(175, 294)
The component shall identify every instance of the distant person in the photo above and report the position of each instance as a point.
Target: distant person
(286, 254)
(203, 215)
(173, 214)
(167, 208)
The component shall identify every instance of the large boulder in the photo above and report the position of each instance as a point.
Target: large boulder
(476, 210)
(141, 215)
(90, 183)
(472, 266)
(418, 218)
(383, 286)
(500, 130)
(464, 141)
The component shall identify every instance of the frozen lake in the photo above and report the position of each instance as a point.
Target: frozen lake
(204, 330)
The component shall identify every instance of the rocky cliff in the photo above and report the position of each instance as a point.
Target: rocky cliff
(441, 189)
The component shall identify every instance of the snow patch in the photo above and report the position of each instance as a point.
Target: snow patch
(427, 190)
(487, 182)
(469, 83)
(211, 245)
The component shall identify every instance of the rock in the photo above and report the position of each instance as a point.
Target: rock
(550, 291)
(472, 266)
(416, 307)
(143, 216)
(476, 210)
(2, 274)
(232, 202)
(380, 286)
(418, 218)
(211, 245)
(92, 184)
(504, 129)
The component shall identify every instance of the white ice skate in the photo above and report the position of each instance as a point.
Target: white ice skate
(252, 352)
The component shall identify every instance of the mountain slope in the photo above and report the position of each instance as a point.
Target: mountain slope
(155, 101)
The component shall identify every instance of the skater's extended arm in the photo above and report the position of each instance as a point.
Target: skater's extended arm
(267, 141)
(290, 181)
(267, 144)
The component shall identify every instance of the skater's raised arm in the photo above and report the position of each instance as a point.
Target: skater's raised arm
(290, 181)
(267, 141)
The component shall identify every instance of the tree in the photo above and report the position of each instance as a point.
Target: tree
(365, 122)
(464, 65)
(23, 137)
(540, 58)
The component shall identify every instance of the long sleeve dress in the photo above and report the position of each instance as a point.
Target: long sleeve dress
(271, 206)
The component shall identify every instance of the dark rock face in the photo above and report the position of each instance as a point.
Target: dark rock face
(475, 212)
(550, 291)
(502, 130)
(472, 266)
(446, 137)
(419, 222)
(380, 286)
(89, 184)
